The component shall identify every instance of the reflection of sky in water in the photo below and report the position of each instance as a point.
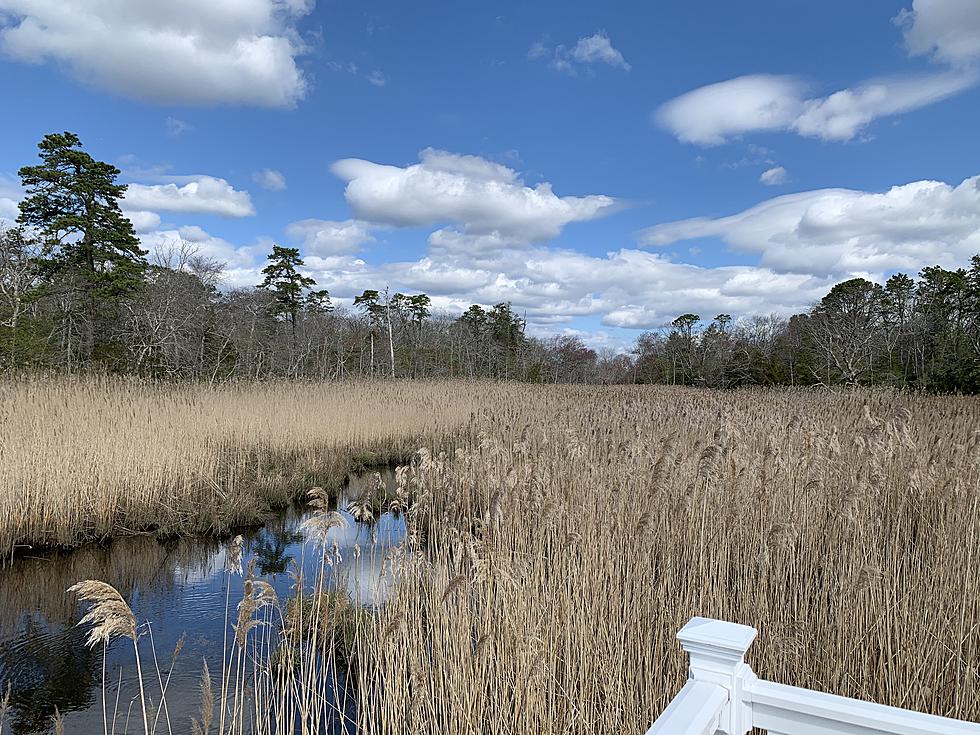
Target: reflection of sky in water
(179, 590)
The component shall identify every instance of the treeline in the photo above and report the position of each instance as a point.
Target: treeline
(921, 334)
(77, 293)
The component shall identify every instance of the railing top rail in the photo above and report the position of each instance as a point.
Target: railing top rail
(694, 711)
(723, 695)
(773, 704)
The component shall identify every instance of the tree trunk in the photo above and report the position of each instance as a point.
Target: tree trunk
(391, 341)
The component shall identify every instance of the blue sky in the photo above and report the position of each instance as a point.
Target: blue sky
(603, 167)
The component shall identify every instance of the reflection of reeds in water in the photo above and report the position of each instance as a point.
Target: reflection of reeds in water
(141, 562)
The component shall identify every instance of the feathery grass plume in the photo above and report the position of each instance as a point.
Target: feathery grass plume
(362, 509)
(5, 703)
(454, 584)
(58, 722)
(257, 594)
(318, 526)
(318, 498)
(206, 707)
(233, 555)
(109, 614)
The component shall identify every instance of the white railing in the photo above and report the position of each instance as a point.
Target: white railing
(723, 697)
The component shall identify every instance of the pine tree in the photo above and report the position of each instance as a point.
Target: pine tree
(282, 277)
(72, 206)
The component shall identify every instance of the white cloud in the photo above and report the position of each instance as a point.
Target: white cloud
(326, 237)
(804, 243)
(625, 288)
(10, 196)
(949, 30)
(190, 194)
(143, 221)
(481, 198)
(713, 114)
(242, 262)
(270, 179)
(587, 51)
(377, 78)
(844, 114)
(597, 48)
(709, 115)
(176, 127)
(180, 51)
(842, 232)
(773, 176)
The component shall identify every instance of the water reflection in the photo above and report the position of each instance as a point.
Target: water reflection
(179, 587)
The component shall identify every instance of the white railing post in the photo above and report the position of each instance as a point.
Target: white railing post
(717, 656)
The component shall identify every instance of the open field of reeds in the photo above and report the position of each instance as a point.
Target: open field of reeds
(88, 459)
(558, 537)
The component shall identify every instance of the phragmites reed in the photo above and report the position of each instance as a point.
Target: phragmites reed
(233, 555)
(206, 707)
(109, 614)
(323, 520)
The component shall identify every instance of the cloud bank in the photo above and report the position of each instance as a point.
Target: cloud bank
(240, 52)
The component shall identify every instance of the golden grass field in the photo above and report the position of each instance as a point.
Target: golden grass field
(560, 536)
(84, 459)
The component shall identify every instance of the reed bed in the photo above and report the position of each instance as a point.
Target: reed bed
(84, 459)
(562, 535)
(553, 561)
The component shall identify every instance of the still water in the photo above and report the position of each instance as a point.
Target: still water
(179, 587)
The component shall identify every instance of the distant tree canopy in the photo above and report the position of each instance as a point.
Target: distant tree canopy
(77, 293)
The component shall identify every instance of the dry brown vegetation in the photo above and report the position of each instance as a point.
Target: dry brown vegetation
(82, 459)
(556, 549)
(843, 526)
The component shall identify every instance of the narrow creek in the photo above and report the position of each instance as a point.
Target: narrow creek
(179, 587)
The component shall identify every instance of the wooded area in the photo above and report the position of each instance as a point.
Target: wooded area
(79, 294)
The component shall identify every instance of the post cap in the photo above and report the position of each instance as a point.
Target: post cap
(721, 638)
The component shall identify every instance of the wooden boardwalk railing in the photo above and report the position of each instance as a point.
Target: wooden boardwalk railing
(724, 697)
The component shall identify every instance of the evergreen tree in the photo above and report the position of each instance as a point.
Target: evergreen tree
(283, 279)
(90, 248)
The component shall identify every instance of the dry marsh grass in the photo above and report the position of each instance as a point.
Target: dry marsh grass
(560, 541)
(552, 562)
(85, 459)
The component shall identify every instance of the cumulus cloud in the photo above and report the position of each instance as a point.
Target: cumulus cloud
(270, 179)
(325, 237)
(481, 198)
(587, 51)
(190, 194)
(598, 49)
(180, 51)
(844, 114)
(624, 288)
(713, 114)
(773, 176)
(143, 221)
(803, 243)
(948, 30)
(10, 196)
(242, 267)
(842, 232)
